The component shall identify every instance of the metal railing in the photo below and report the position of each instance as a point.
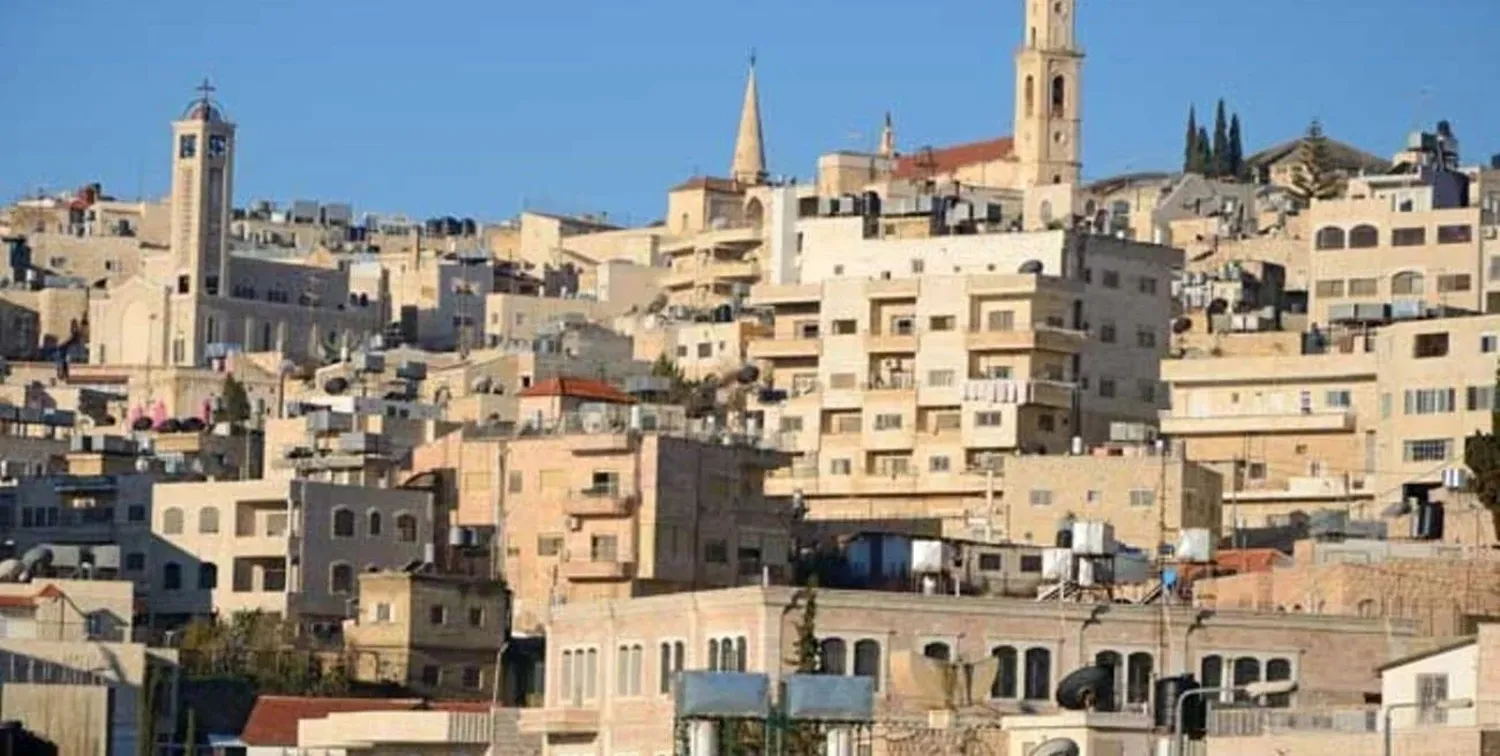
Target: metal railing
(1255, 722)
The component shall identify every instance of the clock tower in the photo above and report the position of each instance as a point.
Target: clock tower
(202, 192)
(1048, 117)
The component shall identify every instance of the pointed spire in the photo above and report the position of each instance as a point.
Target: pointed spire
(749, 165)
(888, 138)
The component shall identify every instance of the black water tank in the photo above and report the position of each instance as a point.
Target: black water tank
(1090, 688)
(1429, 522)
(1064, 538)
(1194, 711)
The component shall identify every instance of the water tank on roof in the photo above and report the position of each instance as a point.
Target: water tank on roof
(1194, 709)
(1428, 524)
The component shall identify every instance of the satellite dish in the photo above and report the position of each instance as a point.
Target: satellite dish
(1182, 325)
(1055, 747)
(1088, 689)
(748, 374)
(1032, 267)
(336, 385)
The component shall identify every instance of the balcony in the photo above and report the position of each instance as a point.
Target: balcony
(569, 720)
(598, 502)
(895, 288)
(1293, 368)
(581, 570)
(771, 349)
(785, 294)
(1341, 421)
(891, 343)
(1004, 391)
(1042, 339)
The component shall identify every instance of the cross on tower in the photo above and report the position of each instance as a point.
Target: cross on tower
(205, 89)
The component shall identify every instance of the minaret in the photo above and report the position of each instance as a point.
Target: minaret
(1048, 121)
(749, 166)
(887, 138)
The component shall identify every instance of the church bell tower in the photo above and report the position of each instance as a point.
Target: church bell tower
(1048, 128)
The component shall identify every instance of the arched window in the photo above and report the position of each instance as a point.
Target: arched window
(1138, 678)
(1033, 43)
(1246, 671)
(1364, 237)
(341, 579)
(1329, 237)
(1059, 96)
(1030, 92)
(343, 523)
(1211, 671)
(208, 520)
(713, 654)
(1407, 282)
(867, 660)
(406, 528)
(1116, 664)
(832, 656)
(171, 576)
(208, 576)
(1038, 674)
(741, 657)
(726, 655)
(1004, 685)
(937, 650)
(373, 523)
(1279, 669)
(171, 521)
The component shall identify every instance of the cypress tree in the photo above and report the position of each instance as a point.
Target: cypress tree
(1236, 149)
(1204, 153)
(1190, 144)
(1219, 158)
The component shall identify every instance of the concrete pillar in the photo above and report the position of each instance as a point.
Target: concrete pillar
(703, 739)
(840, 742)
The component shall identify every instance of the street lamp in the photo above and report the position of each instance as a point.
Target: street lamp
(1457, 703)
(1253, 690)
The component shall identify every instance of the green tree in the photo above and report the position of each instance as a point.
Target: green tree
(805, 739)
(1315, 176)
(234, 402)
(1205, 157)
(1236, 149)
(1219, 159)
(1482, 457)
(1190, 162)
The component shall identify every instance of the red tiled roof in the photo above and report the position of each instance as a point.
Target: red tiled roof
(273, 721)
(1236, 562)
(579, 388)
(941, 160)
(51, 592)
(16, 602)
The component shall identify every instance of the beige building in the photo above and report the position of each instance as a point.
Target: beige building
(287, 547)
(319, 726)
(1439, 587)
(594, 510)
(610, 663)
(438, 635)
(1341, 426)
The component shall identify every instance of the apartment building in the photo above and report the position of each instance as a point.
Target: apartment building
(595, 509)
(438, 635)
(610, 663)
(1337, 421)
(288, 547)
(352, 440)
(1440, 587)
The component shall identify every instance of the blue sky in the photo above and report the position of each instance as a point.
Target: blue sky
(476, 107)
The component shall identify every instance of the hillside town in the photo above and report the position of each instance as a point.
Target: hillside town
(935, 450)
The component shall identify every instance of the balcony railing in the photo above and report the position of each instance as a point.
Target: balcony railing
(1261, 721)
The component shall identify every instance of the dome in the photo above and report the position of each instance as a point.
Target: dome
(203, 110)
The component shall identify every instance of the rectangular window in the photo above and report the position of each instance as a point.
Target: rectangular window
(846, 424)
(1000, 320)
(1427, 345)
(383, 612)
(437, 614)
(1481, 398)
(839, 467)
(471, 678)
(603, 548)
(716, 551)
(1331, 288)
(706, 349)
(549, 545)
(892, 466)
(844, 327)
(1431, 691)
(1106, 387)
(1495, 268)
(1408, 237)
(807, 329)
(1146, 390)
(1488, 343)
(903, 325)
(514, 481)
(987, 419)
(940, 378)
(940, 323)
(1338, 399)
(937, 464)
(1041, 497)
(990, 563)
(1145, 337)
(1110, 279)
(1454, 282)
(1107, 332)
(1363, 287)
(792, 424)
(887, 422)
(476, 616)
(1426, 450)
(1142, 497)
(432, 675)
(946, 421)
(1147, 285)
(1458, 234)
(1438, 401)
(1031, 562)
